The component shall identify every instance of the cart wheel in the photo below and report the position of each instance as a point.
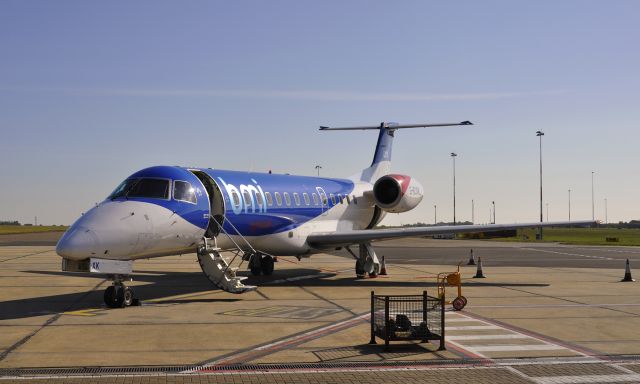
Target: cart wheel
(464, 299)
(458, 303)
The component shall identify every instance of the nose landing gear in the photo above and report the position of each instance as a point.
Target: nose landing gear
(119, 295)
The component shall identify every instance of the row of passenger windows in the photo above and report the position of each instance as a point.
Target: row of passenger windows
(155, 189)
(335, 199)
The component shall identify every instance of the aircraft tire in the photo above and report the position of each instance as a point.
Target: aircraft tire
(266, 265)
(113, 297)
(127, 297)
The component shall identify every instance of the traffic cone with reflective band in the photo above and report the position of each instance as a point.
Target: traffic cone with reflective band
(479, 274)
(383, 267)
(627, 273)
(472, 259)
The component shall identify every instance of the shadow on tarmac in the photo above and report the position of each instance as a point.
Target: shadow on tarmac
(170, 284)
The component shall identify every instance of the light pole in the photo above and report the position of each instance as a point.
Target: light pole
(540, 134)
(473, 214)
(593, 206)
(435, 214)
(493, 203)
(547, 212)
(453, 157)
(569, 204)
(606, 216)
(318, 168)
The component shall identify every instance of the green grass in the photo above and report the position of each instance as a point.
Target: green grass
(580, 236)
(16, 229)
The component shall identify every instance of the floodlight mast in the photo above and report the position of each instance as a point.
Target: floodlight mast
(393, 126)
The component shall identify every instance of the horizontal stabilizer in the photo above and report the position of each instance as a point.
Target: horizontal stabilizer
(393, 126)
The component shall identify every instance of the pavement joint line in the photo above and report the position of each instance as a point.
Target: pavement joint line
(518, 373)
(287, 342)
(49, 321)
(309, 291)
(20, 257)
(558, 306)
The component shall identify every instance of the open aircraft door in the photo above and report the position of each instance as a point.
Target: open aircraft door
(324, 202)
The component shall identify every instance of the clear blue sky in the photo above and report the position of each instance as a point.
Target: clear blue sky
(92, 91)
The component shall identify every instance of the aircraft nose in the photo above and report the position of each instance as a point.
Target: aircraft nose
(77, 243)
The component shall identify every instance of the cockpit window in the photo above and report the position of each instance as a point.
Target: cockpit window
(151, 188)
(123, 188)
(183, 191)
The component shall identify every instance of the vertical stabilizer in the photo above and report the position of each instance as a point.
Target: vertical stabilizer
(381, 164)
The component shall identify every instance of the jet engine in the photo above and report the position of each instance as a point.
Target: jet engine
(397, 193)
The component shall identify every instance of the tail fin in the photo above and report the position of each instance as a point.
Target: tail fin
(381, 164)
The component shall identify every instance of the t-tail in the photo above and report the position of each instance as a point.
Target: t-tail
(381, 164)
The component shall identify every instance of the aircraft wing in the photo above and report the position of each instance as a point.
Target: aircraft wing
(344, 238)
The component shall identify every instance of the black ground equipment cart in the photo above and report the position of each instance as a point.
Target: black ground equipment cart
(407, 317)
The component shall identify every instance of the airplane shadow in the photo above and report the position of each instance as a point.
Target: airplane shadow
(168, 285)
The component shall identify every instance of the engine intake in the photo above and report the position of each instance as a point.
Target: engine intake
(397, 193)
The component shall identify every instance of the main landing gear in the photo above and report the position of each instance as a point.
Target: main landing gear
(261, 263)
(119, 295)
(366, 262)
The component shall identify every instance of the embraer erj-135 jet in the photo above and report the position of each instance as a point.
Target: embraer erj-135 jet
(168, 210)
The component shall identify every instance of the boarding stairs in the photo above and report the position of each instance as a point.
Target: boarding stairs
(220, 265)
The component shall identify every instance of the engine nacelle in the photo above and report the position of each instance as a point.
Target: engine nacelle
(397, 193)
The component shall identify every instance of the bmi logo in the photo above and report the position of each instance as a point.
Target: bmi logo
(251, 191)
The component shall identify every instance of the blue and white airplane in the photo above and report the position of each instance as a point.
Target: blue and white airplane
(168, 210)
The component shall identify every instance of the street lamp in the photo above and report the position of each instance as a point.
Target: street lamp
(493, 203)
(540, 134)
(593, 206)
(453, 157)
(569, 204)
(547, 212)
(473, 213)
(435, 214)
(318, 168)
(606, 216)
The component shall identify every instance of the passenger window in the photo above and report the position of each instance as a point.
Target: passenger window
(333, 199)
(236, 199)
(355, 201)
(340, 198)
(296, 197)
(323, 197)
(151, 188)
(278, 199)
(287, 199)
(269, 198)
(306, 198)
(247, 199)
(348, 200)
(315, 199)
(183, 191)
(259, 199)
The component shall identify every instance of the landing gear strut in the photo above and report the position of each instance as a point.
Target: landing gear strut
(119, 295)
(366, 262)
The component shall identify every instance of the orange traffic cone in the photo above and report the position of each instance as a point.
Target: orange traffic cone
(472, 260)
(627, 273)
(383, 267)
(479, 274)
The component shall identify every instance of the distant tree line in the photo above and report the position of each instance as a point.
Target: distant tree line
(16, 222)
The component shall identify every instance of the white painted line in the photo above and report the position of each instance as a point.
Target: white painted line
(566, 253)
(504, 348)
(487, 337)
(472, 327)
(555, 305)
(634, 378)
(461, 320)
